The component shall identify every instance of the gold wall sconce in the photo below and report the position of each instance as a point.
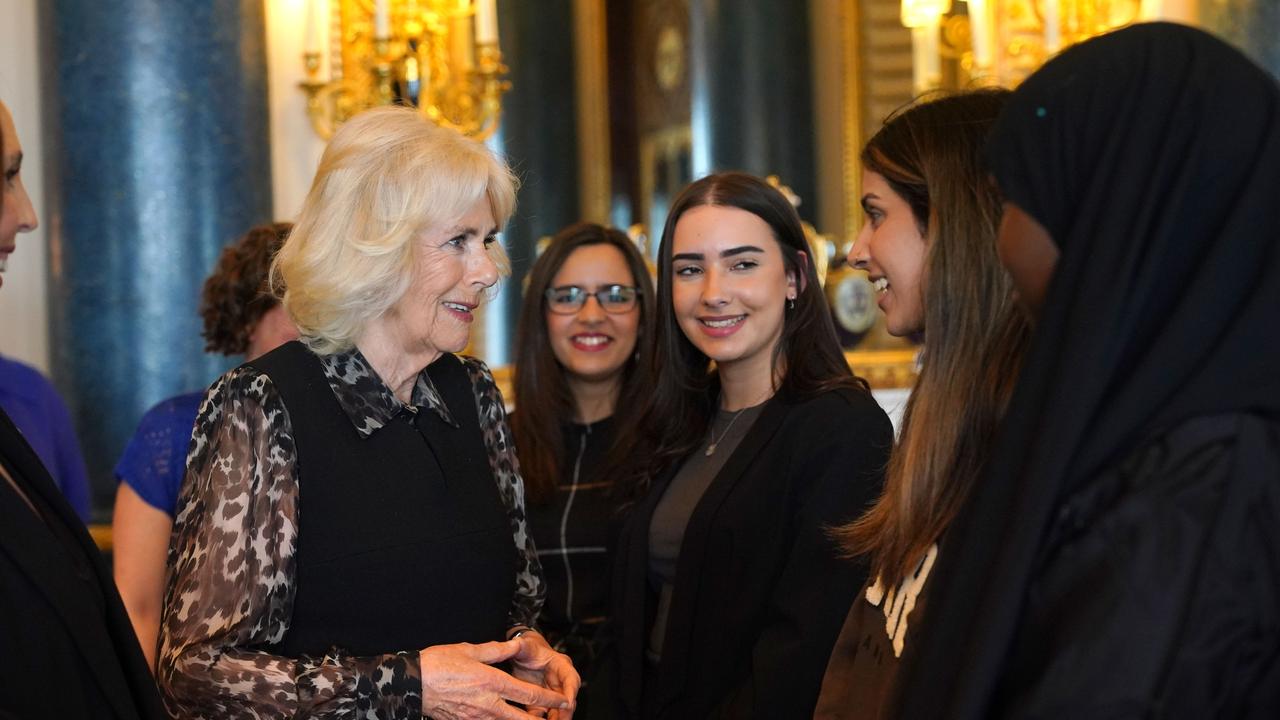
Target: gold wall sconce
(440, 56)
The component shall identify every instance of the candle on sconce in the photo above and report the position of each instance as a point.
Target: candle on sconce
(461, 41)
(487, 22)
(1052, 26)
(933, 66)
(926, 60)
(980, 31)
(311, 44)
(382, 19)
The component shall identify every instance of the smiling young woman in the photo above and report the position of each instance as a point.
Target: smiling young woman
(891, 247)
(929, 245)
(583, 365)
(728, 592)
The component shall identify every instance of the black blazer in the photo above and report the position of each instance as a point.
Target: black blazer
(760, 592)
(63, 654)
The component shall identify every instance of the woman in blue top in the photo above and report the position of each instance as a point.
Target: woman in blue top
(240, 317)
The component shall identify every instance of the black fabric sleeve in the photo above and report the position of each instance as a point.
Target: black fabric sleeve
(1145, 605)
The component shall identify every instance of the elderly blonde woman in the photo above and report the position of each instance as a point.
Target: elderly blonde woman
(350, 538)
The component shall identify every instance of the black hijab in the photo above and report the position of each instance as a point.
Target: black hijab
(1152, 157)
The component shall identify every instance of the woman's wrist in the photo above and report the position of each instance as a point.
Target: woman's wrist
(516, 631)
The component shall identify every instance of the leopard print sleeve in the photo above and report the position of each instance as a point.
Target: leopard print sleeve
(530, 588)
(231, 585)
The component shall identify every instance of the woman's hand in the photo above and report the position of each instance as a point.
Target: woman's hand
(458, 682)
(537, 663)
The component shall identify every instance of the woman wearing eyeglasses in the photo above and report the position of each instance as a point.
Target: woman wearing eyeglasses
(582, 365)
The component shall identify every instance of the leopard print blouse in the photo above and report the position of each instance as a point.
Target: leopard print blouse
(231, 585)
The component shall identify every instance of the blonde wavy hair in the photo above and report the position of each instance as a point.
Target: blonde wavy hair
(387, 175)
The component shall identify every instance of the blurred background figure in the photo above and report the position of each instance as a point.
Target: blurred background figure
(583, 367)
(241, 317)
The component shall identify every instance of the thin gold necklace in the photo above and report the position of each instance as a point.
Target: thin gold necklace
(711, 449)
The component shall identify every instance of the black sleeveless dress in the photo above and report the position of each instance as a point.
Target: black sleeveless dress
(403, 540)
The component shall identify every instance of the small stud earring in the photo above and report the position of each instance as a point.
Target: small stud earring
(791, 303)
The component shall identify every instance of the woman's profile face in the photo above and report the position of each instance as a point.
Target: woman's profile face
(729, 285)
(452, 269)
(892, 251)
(593, 342)
(16, 212)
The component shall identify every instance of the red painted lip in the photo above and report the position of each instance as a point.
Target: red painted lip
(583, 347)
(721, 332)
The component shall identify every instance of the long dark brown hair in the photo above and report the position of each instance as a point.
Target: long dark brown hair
(930, 153)
(807, 357)
(543, 399)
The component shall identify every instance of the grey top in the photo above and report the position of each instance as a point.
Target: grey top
(671, 516)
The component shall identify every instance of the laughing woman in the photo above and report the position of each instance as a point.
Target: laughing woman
(350, 536)
(729, 592)
(929, 243)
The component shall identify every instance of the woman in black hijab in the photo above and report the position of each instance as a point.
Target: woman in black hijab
(1121, 556)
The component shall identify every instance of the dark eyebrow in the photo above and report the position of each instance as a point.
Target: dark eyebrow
(688, 256)
(16, 164)
(740, 250)
(865, 198)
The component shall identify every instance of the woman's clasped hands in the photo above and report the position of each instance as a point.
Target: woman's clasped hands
(459, 681)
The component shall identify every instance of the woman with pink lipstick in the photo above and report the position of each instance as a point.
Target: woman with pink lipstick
(583, 367)
(350, 536)
(728, 590)
(928, 243)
